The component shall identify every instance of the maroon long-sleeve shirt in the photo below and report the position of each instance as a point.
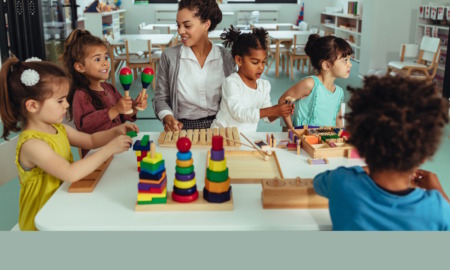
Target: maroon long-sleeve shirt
(90, 120)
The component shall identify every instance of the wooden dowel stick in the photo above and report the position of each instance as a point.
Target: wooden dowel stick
(259, 151)
(228, 139)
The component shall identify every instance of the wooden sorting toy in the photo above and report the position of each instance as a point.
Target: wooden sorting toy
(201, 137)
(323, 142)
(88, 183)
(290, 193)
(247, 167)
(185, 188)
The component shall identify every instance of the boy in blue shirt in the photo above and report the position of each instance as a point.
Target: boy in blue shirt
(395, 124)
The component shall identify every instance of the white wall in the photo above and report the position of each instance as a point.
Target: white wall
(386, 24)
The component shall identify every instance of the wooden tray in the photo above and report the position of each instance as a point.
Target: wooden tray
(88, 183)
(201, 137)
(199, 205)
(248, 167)
(291, 193)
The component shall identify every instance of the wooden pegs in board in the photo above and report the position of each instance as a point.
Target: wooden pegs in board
(273, 140)
(298, 147)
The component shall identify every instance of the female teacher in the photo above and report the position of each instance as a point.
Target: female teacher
(189, 80)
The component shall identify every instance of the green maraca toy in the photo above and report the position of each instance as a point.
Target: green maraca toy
(126, 78)
(146, 78)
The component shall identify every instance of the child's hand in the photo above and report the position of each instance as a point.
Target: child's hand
(426, 180)
(123, 105)
(141, 101)
(171, 124)
(125, 127)
(284, 110)
(119, 144)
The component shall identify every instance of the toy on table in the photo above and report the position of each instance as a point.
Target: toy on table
(88, 183)
(317, 161)
(201, 137)
(126, 78)
(264, 155)
(141, 148)
(146, 79)
(217, 182)
(184, 187)
(152, 186)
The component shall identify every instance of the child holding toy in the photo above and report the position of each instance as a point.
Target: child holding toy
(33, 101)
(318, 99)
(245, 96)
(95, 104)
(391, 118)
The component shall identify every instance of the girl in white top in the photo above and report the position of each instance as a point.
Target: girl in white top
(245, 96)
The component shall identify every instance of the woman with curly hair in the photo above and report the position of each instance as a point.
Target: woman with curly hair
(189, 81)
(396, 124)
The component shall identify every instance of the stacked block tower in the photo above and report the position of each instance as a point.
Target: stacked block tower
(152, 186)
(141, 148)
(217, 183)
(184, 188)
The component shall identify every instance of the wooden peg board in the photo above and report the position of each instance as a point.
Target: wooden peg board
(291, 193)
(321, 148)
(199, 205)
(88, 183)
(201, 137)
(248, 167)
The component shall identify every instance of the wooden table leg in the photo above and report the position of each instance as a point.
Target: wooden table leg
(277, 59)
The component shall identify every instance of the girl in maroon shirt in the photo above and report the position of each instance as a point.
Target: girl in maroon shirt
(95, 104)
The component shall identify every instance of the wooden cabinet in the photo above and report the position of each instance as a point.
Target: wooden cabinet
(345, 26)
(106, 23)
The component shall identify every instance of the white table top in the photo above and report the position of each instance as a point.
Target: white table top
(285, 35)
(215, 34)
(111, 205)
(157, 39)
(272, 26)
(172, 26)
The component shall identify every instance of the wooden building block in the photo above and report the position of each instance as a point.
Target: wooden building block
(88, 183)
(291, 193)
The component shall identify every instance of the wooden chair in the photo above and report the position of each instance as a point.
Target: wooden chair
(425, 66)
(135, 63)
(8, 167)
(162, 29)
(298, 52)
(284, 52)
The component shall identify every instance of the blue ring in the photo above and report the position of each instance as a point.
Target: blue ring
(184, 156)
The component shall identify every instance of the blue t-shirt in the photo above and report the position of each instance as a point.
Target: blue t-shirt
(320, 107)
(357, 203)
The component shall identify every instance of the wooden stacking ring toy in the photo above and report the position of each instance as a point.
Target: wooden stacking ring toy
(216, 197)
(184, 184)
(185, 177)
(185, 163)
(217, 176)
(184, 156)
(217, 166)
(185, 191)
(216, 187)
(217, 155)
(184, 170)
(185, 199)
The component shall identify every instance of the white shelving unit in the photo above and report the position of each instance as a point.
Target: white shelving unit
(435, 28)
(345, 26)
(106, 23)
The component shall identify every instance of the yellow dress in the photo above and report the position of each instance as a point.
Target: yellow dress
(37, 186)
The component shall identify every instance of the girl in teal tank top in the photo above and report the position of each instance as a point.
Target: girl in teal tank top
(318, 99)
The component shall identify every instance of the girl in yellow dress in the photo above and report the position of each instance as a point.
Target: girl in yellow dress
(33, 100)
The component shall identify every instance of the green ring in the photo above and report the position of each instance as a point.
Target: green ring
(217, 177)
(184, 170)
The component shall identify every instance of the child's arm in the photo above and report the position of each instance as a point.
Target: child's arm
(98, 139)
(322, 184)
(429, 180)
(299, 90)
(35, 152)
(273, 112)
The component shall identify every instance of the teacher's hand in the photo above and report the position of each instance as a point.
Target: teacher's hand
(171, 124)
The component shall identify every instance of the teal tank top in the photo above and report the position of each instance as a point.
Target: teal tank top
(320, 108)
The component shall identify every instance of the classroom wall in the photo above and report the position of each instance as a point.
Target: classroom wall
(386, 25)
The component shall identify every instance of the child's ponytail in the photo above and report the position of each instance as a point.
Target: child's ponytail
(230, 36)
(8, 106)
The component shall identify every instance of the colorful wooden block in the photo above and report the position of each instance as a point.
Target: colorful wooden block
(145, 139)
(137, 146)
(185, 198)
(145, 186)
(158, 181)
(184, 156)
(156, 158)
(151, 167)
(150, 196)
(184, 170)
(217, 143)
(217, 187)
(185, 177)
(185, 163)
(184, 184)
(317, 161)
(154, 201)
(217, 176)
(217, 197)
(152, 190)
(184, 191)
(218, 155)
(149, 176)
(132, 133)
(153, 171)
(217, 166)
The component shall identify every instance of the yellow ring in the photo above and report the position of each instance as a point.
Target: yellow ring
(216, 187)
(184, 184)
(185, 163)
(217, 166)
